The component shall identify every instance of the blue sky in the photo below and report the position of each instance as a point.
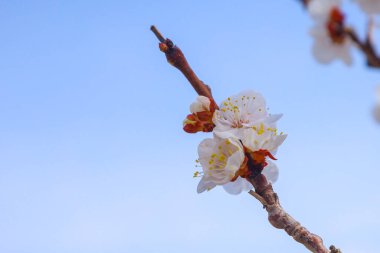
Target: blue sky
(93, 156)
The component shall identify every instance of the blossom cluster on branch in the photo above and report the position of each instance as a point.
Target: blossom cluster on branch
(245, 140)
(333, 38)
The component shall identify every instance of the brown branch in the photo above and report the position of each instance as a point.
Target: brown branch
(176, 58)
(263, 190)
(280, 219)
(367, 48)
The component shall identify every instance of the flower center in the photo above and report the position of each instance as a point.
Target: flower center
(253, 164)
(335, 26)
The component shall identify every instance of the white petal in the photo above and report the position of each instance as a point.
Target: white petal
(267, 140)
(205, 148)
(205, 185)
(273, 118)
(201, 104)
(320, 9)
(275, 142)
(325, 50)
(238, 186)
(227, 132)
(271, 172)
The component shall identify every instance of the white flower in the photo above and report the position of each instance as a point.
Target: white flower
(239, 112)
(330, 40)
(200, 105)
(220, 160)
(325, 50)
(369, 6)
(262, 139)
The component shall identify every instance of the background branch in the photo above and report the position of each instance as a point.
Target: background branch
(365, 46)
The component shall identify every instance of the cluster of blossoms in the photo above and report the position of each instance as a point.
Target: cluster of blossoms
(244, 137)
(330, 38)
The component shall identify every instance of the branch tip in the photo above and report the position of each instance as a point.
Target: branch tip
(157, 33)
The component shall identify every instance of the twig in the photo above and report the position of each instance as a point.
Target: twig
(176, 58)
(157, 33)
(263, 190)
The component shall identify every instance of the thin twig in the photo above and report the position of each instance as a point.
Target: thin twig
(157, 33)
(176, 58)
(258, 197)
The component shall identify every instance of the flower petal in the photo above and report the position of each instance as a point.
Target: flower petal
(204, 185)
(238, 186)
(271, 172)
(201, 104)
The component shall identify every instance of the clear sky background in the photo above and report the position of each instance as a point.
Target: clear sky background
(92, 153)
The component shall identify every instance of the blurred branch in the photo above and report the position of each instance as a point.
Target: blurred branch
(365, 46)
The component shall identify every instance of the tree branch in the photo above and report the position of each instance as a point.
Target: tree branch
(373, 60)
(263, 190)
(176, 58)
(280, 219)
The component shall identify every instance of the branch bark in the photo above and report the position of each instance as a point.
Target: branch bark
(280, 219)
(263, 190)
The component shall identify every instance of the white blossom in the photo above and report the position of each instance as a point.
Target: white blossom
(244, 131)
(220, 160)
(330, 41)
(241, 111)
(325, 50)
(369, 6)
